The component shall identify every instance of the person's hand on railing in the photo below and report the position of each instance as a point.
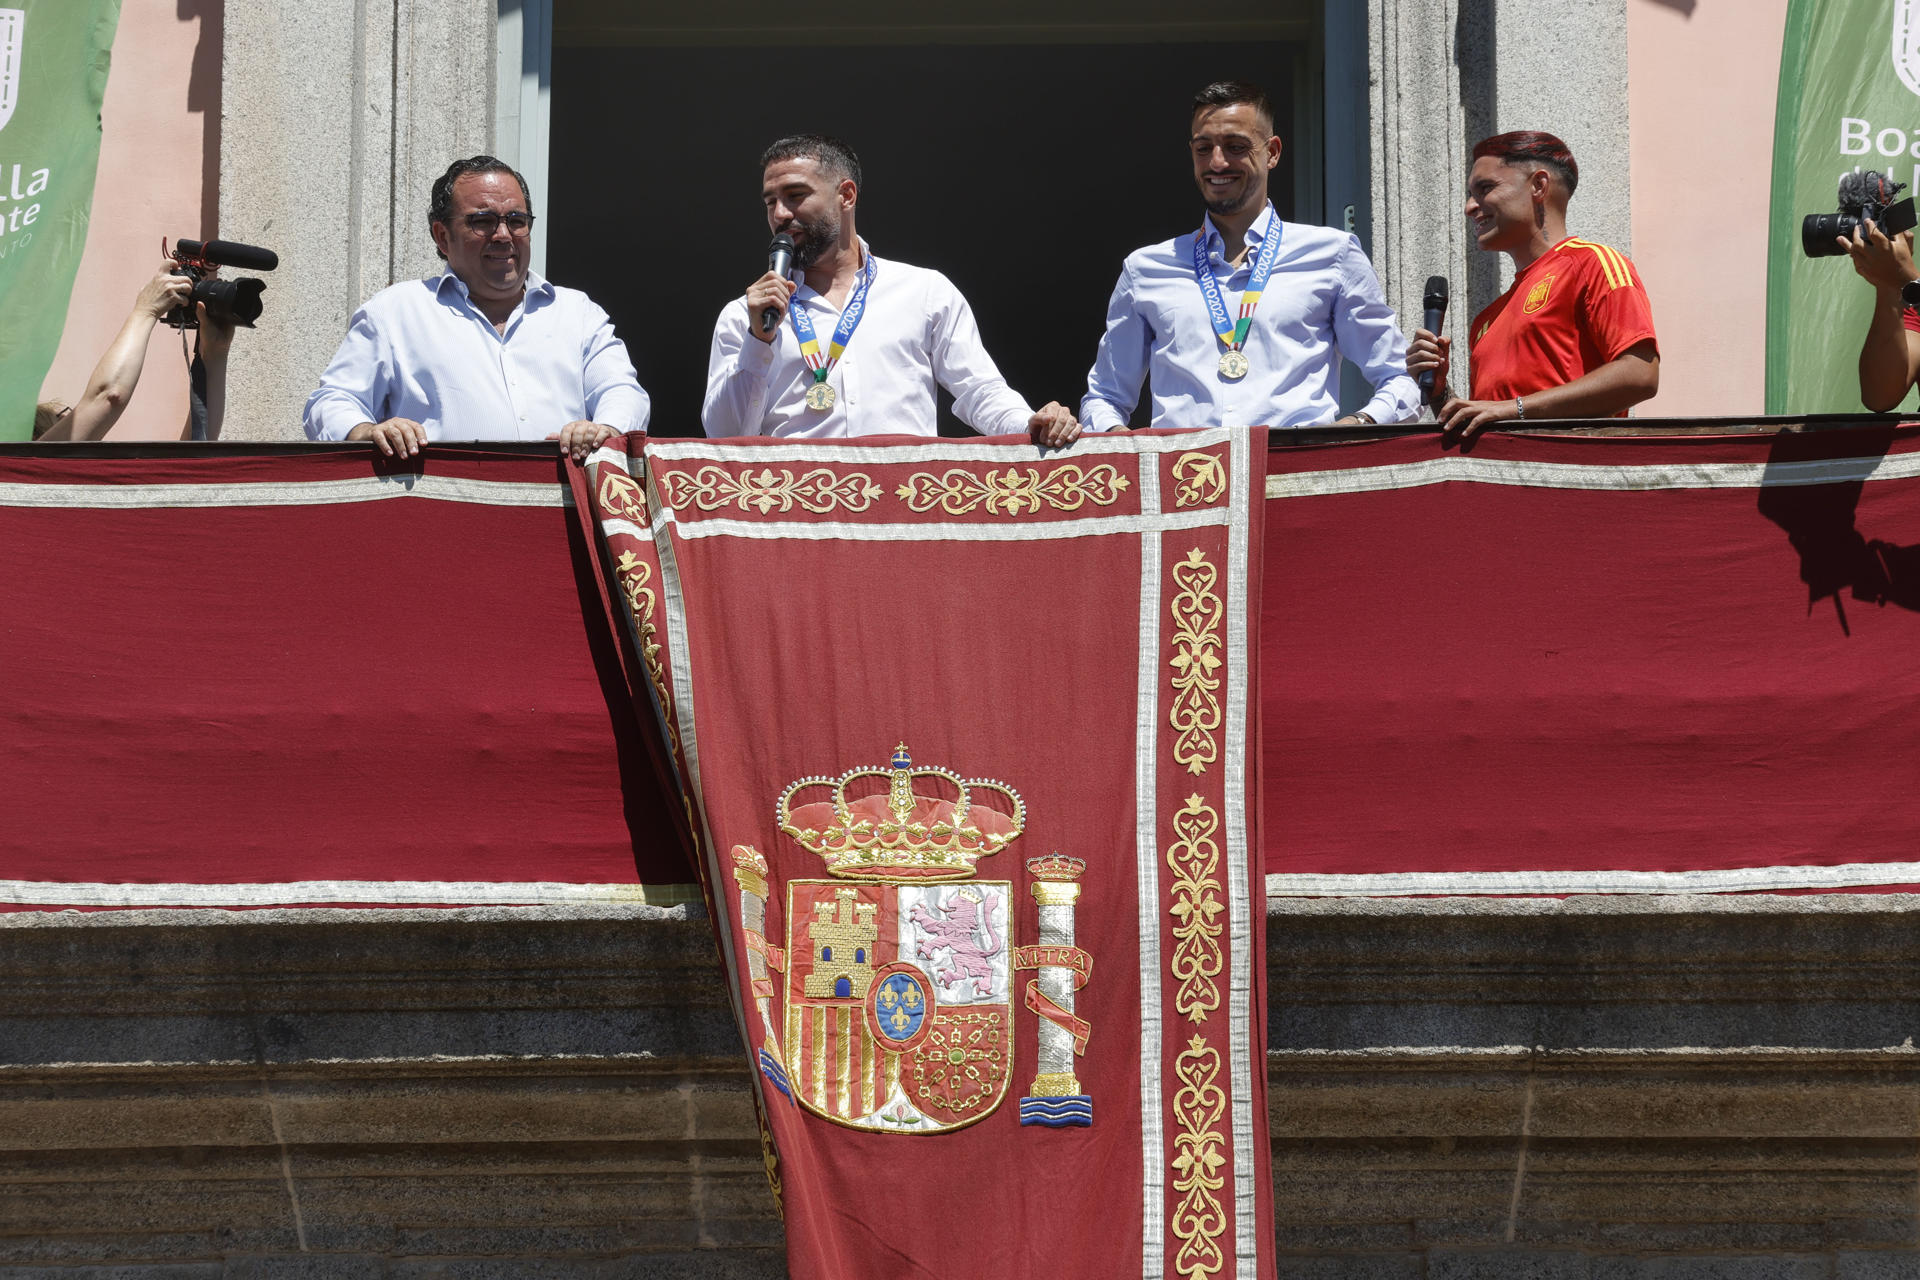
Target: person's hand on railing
(396, 437)
(582, 438)
(1054, 427)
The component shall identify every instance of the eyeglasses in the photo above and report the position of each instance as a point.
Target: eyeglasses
(485, 224)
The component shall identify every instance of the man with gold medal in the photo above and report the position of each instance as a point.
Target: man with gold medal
(1307, 298)
(895, 330)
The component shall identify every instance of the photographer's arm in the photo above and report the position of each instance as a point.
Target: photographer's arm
(111, 385)
(1890, 355)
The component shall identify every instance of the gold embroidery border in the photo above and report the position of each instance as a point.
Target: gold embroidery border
(1198, 1161)
(622, 495)
(1198, 1221)
(820, 490)
(636, 576)
(1014, 492)
(1196, 908)
(1198, 619)
(1202, 480)
(769, 1154)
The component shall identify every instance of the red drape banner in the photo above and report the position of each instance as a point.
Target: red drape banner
(968, 737)
(314, 678)
(1571, 665)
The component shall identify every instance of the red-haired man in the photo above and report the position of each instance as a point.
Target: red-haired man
(1573, 337)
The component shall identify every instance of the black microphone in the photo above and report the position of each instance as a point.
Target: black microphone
(229, 253)
(1436, 304)
(779, 262)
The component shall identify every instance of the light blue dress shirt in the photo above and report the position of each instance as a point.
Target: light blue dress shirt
(1322, 302)
(422, 350)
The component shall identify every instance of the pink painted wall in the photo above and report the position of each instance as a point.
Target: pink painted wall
(159, 175)
(1701, 76)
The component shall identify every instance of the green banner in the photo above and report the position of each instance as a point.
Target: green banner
(1849, 100)
(53, 76)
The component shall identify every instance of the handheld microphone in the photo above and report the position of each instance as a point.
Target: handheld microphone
(779, 262)
(1436, 305)
(229, 253)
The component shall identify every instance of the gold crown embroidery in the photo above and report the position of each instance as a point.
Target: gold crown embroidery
(905, 835)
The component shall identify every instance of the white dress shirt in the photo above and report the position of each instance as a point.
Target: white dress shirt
(422, 350)
(917, 330)
(1322, 302)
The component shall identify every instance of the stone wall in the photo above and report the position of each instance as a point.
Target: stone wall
(1447, 73)
(338, 116)
(1616, 1088)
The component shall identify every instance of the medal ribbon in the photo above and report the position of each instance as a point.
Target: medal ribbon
(842, 332)
(1233, 335)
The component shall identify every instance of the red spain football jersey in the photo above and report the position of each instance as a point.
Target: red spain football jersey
(1910, 319)
(1574, 309)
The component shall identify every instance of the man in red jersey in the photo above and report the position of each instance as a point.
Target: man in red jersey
(1573, 337)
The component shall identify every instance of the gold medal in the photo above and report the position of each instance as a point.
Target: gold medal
(820, 397)
(1233, 366)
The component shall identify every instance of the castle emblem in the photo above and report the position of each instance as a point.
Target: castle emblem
(896, 985)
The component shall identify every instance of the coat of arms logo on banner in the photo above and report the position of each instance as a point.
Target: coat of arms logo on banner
(13, 24)
(894, 1009)
(1906, 42)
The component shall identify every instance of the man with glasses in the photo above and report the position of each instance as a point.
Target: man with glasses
(487, 350)
(1245, 321)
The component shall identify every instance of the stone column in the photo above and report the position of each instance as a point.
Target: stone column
(1450, 72)
(338, 116)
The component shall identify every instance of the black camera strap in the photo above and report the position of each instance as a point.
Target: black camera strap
(196, 390)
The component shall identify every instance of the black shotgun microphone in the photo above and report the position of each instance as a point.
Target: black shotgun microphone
(229, 253)
(779, 262)
(1436, 305)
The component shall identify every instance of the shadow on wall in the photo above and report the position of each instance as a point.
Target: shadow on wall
(203, 96)
(1684, 8)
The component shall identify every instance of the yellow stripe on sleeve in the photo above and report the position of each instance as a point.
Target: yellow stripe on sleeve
(1619, 264)
(1611, 263)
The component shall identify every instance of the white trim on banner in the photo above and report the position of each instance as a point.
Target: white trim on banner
(1098, 444)
(605, 456)
(673, 604)
(1038, 531)
(535, 893)
(1146, 739)
(1454, 469)
(1484, 883)
(610, 525)
(311, 493)
(1247, 1162)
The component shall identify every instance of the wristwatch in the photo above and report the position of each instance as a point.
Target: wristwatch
(1910, 293)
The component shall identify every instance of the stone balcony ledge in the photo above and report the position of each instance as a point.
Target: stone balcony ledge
(1587, 1087)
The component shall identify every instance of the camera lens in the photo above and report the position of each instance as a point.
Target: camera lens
(1819, 230)
(237, 301)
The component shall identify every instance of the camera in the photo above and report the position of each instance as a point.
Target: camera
(229, 301)
(1863, 196)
